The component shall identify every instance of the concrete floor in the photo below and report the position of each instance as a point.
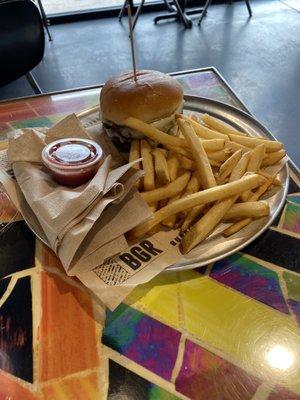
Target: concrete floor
(259, 57)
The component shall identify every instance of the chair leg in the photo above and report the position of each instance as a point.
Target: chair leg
(204, 11)
(33, 83)
(48, 33)
(186, 21)
(137, 14)
(122, 11)
(169, 6)
(249, 7)
(45, 20)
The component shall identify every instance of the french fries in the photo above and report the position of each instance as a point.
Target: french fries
(154, 133)
(233, 146)
(203, 197)
(210, 181)
(220, 155)
(260, 191)
(201, 130)
(214, 163)
(192, 215)
(209, 145)
(253, 142)
(192, 187)
(170, 221)
(240, 167)
(194, 117)
(180, 150)
(234, 228)
(227, 167)
(213, 144)
(153, 206)
(148, 167)
(135, 153)
(273, 158)
(205, 225)
(199, 154)
(190, 165)
(275, 180)
(251, 209)
(167, 191)
(186, 163)
(185, 182)
(215, 214)
(255, 160)
(219, 126)
(173, 165)
(161, 167)
(164, 151)
(237, 226)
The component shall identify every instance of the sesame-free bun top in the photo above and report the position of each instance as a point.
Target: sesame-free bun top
(153, 96)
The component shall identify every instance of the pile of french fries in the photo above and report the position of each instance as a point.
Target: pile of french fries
(210, 173)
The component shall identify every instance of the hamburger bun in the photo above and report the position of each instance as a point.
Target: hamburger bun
(152, 97)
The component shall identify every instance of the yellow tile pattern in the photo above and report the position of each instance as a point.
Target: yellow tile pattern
(79, 388)
(240, 328)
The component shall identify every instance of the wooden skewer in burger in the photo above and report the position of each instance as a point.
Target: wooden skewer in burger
(131, 38)
(150, 96)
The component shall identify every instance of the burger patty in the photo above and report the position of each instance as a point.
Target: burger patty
(122, 136)
(117, 135)
(125, 132)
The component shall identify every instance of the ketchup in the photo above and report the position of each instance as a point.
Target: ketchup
(72, 161)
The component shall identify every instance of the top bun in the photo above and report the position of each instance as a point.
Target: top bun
(153, 96)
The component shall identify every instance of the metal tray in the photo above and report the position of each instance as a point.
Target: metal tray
(216, 247)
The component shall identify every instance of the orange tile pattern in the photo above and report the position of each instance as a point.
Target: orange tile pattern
(8, 211)
(11, 389)
(49, 259)
(63, 351)
(85, 388)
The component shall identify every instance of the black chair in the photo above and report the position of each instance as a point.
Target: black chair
(22, 41)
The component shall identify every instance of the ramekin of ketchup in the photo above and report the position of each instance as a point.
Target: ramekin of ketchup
(72, 161)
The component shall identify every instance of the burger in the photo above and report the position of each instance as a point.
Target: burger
(153, 97)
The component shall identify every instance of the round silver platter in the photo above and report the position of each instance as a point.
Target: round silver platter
(216, 247)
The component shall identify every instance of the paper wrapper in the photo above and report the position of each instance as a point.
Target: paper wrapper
(65, 217)
(117, 277)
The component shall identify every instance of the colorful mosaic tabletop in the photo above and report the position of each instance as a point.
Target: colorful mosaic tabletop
(229, 331)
